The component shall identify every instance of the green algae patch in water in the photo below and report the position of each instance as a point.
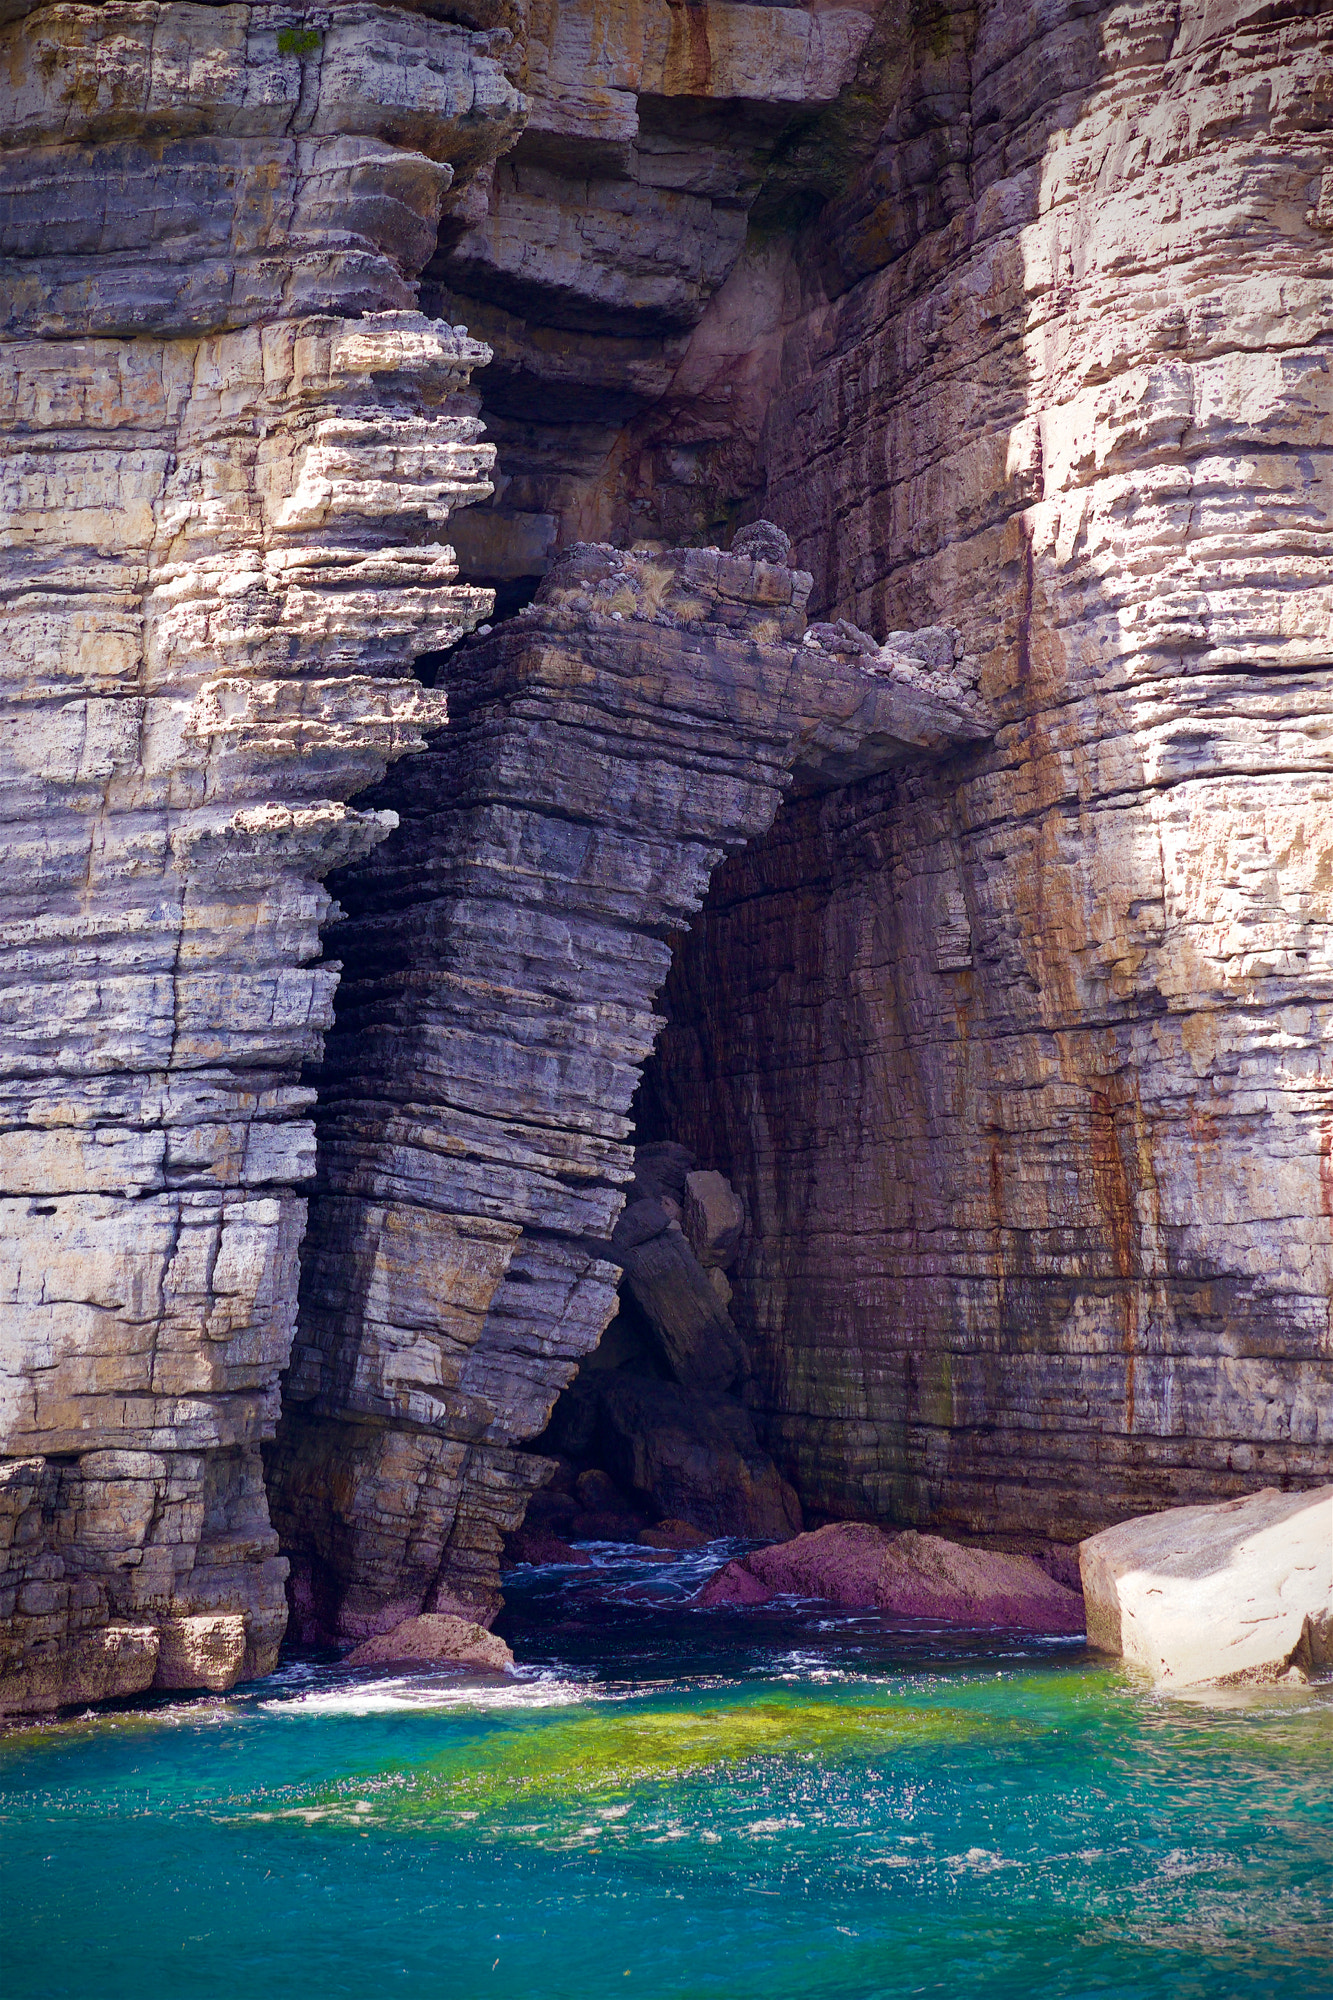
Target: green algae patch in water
(605, 1755)
(849, 1812)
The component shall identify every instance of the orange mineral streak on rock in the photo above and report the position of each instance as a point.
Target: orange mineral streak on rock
(688, 67)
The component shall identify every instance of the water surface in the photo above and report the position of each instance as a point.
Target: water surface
(675, 1803)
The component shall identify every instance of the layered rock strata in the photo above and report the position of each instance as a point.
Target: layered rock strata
(229, 453)
(1019, 1062)
(501, 953)
(591, 253)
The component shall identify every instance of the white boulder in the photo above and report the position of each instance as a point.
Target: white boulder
(1240, 1591)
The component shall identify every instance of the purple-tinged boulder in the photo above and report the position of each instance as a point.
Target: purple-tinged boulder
(858, 1566)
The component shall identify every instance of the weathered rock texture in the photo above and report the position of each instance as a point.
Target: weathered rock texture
(501, 954)
(224, 499)
(1238, 1592)
(591, 252)
(434, 1640)
(1018, 317)
(1019, 1061)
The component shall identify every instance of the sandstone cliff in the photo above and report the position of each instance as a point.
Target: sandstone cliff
(502, 952)
(1020, 1062)
(1009, 1031)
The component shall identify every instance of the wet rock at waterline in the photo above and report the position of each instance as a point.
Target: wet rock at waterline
(537, 1546)
(673, 1535)
(434, 1640)
(1240, 1591)
(114, 1660)
(907, 1575)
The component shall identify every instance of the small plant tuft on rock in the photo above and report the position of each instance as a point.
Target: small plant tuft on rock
(298, 41)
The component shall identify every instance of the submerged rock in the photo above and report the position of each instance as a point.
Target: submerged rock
(733, 1585)
(434, 1639)
(857, 1565)
(1239, 1591)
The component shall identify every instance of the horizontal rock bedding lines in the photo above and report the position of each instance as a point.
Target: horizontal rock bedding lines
(592, 251)
(1051, 366)
(1036, 1153)
(230, 452)
(501, 955)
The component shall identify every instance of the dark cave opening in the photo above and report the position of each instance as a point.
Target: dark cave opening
(655, 1438)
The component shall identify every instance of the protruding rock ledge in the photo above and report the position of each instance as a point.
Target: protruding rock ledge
(1241, 1591)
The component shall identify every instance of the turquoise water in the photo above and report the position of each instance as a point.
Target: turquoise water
(673, 1803)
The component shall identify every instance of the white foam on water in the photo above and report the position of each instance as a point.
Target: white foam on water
(418, 1694)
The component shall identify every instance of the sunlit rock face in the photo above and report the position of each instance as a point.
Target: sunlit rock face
(1238, 1592)
(1020, 1063)
(230, 451)
(1010, 1031)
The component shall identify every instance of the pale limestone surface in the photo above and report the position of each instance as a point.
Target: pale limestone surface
(222, 549)
(1238, 1592)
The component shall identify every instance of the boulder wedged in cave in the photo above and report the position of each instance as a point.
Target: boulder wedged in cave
(1240, 1591)
(713, 1219)
(692, 1454)
(691, 1326)
(904, 1574)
